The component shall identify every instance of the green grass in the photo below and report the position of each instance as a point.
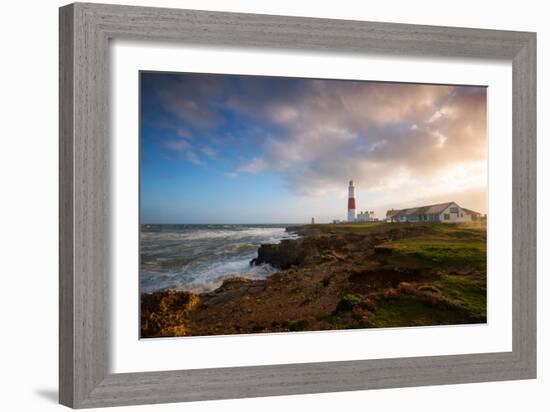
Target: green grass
(334, 320)
(465, 292)
(460, 299)
(475, 229)
(410, 310)
(447, 251)
(348, 302)
(299, 325)
(454, 254)
(451, 245)
(356, 226)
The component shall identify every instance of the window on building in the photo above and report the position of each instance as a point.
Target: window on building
(446, 216)
(462, 215)
(454, 210)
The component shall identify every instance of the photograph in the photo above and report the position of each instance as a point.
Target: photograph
(284, 204)
(275, 206)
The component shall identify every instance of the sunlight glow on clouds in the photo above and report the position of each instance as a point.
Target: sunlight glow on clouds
(401, 143)
(375, 134)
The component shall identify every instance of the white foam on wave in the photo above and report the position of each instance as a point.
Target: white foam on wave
(270, 233)
(203, 274)
(206, 279)
(213, 277)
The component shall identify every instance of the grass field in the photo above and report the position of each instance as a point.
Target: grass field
(454, 292)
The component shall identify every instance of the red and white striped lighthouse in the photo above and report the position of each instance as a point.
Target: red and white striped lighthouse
(351, 202)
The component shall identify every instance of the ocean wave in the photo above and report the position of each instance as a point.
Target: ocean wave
(205, 280)
(198, 258)
(204, 234)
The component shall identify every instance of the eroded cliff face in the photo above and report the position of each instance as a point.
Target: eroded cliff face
(339, 277)
(317, 246)
(288, 253)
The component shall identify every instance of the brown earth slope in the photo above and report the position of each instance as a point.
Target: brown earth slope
(340, 277)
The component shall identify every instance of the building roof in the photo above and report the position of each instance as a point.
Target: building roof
(392, 212)
(420, 210)
(471, 212)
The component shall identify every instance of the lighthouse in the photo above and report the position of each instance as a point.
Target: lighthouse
(351, 202)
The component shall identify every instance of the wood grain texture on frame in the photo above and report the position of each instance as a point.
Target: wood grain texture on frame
(85, 31)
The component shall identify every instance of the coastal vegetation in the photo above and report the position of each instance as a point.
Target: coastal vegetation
(341, 276)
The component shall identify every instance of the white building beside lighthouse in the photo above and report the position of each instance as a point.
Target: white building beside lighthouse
(351, 202)
(366, 216)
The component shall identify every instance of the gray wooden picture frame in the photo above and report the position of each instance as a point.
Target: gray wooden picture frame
(85, 31)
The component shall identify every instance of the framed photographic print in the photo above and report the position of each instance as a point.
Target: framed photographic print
(232, 167)
(303, 194)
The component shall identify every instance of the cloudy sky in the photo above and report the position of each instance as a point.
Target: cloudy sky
(253, 149)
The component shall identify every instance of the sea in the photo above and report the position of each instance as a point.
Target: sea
(197, 258)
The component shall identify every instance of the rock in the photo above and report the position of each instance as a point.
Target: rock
(283, 255)
(258, 328)
(232, 288)
(391, 293)
(165, 313)
(368, 304)
(382, 250)
(256, 289)
(234, 282)
(408, 288)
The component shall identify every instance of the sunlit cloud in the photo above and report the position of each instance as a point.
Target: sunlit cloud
(383, 136)
(406, 142)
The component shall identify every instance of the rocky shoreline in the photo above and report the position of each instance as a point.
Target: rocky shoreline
(339, 277)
